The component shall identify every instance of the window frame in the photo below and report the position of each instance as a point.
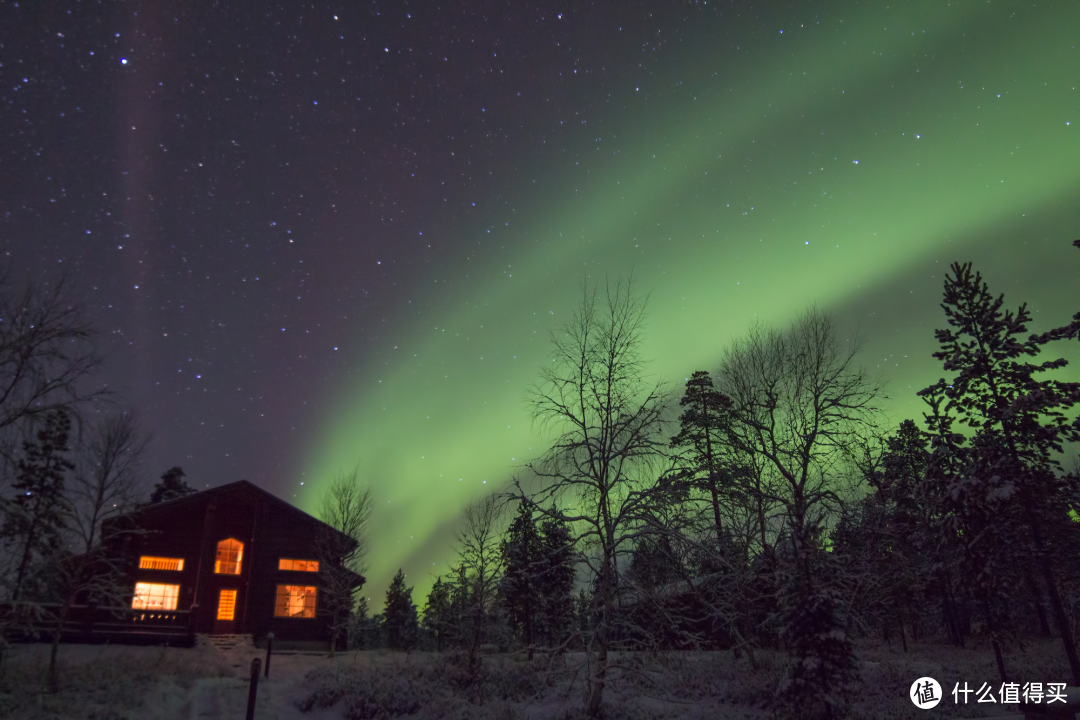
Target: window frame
(149, 595)
(294, 561)
(221, 567)
(148, 562)
(232, 593)
(282, 592)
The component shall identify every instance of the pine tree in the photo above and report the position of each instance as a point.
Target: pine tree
(1007, 473)
(172, 486)
(438, 613)
(701, 428)
(399, 615)
(35, 515)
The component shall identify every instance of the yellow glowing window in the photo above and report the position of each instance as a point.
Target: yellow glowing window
(147, 562)
(301, 565)
(229, 554)
(226, 605)
(155, 596)
(295, 601)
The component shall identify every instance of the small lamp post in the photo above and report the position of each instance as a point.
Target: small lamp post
(269, 649)
(253, 688)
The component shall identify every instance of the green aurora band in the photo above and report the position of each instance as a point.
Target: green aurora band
(843, 164)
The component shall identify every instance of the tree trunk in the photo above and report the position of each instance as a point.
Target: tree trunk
(1060, 620)
(599, 679)
(716, 511)
(998, 658)
(1037, 601)
(24, 564)
(742, 643)
(58, 629)
(712, 476)
(528, 626)
(761, 525)
(952, 624)
(333, 635)
(991, 623)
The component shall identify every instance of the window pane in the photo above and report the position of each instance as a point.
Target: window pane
(226, 607)
(229, 554)
(295, 601)
(301, 565)
(147, 562)
(155, 596)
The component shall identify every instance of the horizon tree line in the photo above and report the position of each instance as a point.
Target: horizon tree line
(781, 511)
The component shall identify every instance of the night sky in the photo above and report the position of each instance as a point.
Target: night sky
(333, 236)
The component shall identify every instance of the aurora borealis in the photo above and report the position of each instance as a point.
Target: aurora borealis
(357, 226)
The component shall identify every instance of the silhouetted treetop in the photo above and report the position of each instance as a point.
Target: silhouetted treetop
(172, 486)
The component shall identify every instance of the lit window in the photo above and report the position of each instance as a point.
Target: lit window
(295, 601)
(229, 554)
(301, 565)
(154, 596)
(160, 563)
(226, 606)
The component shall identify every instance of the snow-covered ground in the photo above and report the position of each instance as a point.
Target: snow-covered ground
(101, 682)
(114, 682)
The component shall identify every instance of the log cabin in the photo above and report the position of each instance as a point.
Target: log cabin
(238, 559)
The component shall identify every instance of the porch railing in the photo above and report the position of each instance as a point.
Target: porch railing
(93, 623)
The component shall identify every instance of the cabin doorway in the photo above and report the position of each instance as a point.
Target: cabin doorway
(225, 620)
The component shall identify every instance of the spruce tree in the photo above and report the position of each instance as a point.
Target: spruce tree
(399, 615)
(821, 656)
(555, 582)
(460, 591)
(1017, 420)
(522, 557)
(438, 613)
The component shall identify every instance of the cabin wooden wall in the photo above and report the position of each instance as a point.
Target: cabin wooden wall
(269, 530)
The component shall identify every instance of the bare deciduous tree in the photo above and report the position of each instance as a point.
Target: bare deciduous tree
(480, 560)
(346, 508)
(802, 406)
(46, 357)
(609, 445)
